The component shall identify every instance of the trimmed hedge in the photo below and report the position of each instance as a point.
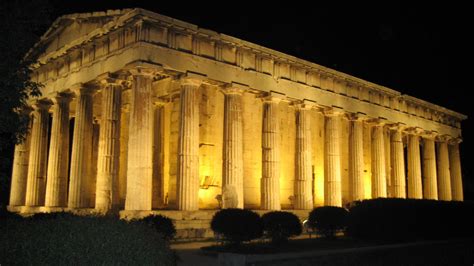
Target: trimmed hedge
(328, 220)
(160, 223)
(58, 239)
(237, 225)
(409, 219)
(280, 225)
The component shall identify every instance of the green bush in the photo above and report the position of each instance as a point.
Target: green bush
(237, 225)
(410, 219)
(68, 239)
(279, 226)
(328, 220)
(161, 224)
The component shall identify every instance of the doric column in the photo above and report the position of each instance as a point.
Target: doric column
(20, 168)
(58, 162)
(270, 186)
(109, 146)
(188, 147)
(81, 155)
(140, 142)
(430, 187)
(455, 166)
(303, 181)
(36, 183)
(444, 176)
(379, 182)
(332, 159)
(414, 166)
(356, 158)
(233, 149)
(398, 163)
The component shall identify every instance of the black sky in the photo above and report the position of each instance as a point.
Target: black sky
(420, 49)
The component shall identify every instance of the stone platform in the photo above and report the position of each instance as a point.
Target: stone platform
(190, 225)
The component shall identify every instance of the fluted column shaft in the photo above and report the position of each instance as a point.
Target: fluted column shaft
(332, 160)
(270, 186)
(379, 182)
(233, 147)
(356, 160)
(414, 168)
(58, 162)
(140, 143)
(188, 148)
(20, 171)
(398, 164)
(36, 183)
(303, 181)
(430, 187)
(81, 150)
(109, 147)
(456, 175)
(444, 177)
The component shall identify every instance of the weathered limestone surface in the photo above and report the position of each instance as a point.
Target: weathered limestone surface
(332, 163)
(398, 164)
(430, 187)
(270, 185)
(192, 131)
(20, 171)
(379, 185)
(356, 159)
(36, 181)
(252, 137)
(414, 168)
(444, 177)
(188, 149)
(58, 162)
(81, 150)
(233, 149)
(109, 147)
(140, 143)
(303, 192)
(455, 168)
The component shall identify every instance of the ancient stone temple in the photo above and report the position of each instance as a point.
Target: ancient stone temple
(141, 112)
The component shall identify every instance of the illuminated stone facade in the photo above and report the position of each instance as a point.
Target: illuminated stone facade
(142, 112)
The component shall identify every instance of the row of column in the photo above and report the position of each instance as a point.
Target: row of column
(47, 184)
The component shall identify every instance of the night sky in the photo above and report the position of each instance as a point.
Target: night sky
(420, 50)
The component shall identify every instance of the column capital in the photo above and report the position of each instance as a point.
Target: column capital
(108, 79)
(431, 135)
(397, 126)
(82, 89)
(454, 141)
(356, 117)
(377, 121)
(333, 111)
(414, 130)
(304, 104)
(42, 104)
(273, 97)
(143, 71)
(61, 97)
(443, 138)
(234, 88)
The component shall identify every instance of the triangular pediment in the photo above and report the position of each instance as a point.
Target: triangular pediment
(69, 28)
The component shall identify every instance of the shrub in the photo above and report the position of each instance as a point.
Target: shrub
(161, 224)
(279, 225)
(237, 225)
(69, 239)
(328, 220)
(410, 219)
